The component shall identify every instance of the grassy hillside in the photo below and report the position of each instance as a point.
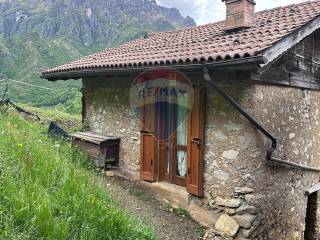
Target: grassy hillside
(46, 191)
(36, 35)
(22, 58)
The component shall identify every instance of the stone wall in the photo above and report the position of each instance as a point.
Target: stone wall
(250, 198)
(108, 112)
(266, 201)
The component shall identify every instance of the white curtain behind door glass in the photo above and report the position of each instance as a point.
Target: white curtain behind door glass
(182, 140)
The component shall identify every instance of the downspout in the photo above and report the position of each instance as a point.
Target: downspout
(274, 142)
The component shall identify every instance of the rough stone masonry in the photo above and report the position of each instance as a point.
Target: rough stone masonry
(250, 198)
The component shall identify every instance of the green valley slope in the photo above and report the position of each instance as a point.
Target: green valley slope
(38, 35)
(23, 57)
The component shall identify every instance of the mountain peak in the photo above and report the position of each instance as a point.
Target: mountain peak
(88, 21)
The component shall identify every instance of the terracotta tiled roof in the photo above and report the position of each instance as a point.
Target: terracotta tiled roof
(206, 43)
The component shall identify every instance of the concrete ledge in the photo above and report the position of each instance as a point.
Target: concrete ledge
(164, 191)
(178, 197)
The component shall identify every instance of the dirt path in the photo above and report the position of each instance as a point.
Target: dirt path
(169, 224)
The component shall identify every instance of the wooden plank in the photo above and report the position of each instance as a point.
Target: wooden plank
(290, 70)
(92, 137)
(313, 189)
(292, 39)
(86, 139)
(95, 135)
(100, 137)
(80, 136)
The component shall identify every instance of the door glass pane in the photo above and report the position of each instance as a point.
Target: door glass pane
(170, 110)
(182, 114)
(165, 128)
(182, 163)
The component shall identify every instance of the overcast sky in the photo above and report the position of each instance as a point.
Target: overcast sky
(206, 11)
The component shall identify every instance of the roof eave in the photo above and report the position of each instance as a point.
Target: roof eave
(249, 63)
(283, 45)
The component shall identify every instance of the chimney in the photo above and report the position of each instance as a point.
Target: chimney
(240, 14)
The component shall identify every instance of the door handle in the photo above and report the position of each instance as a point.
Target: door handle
(197, 141)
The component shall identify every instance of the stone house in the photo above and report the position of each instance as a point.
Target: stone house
(248, 151)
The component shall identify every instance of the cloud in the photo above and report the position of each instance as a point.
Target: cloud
(205, 11)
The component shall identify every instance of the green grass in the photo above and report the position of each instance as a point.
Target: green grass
(46, 190)
(70, 122)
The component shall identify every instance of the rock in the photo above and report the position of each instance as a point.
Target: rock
(212, 234)
(215, 164)
(245, 208)
(212, 204)
(243, 190)
(245, 220)
(109, 173)
(255, 154)
(297, 235)
(220, 136)
(246, 140)
(248, 232)
(227, 226)
(292, 135)
(230, 126)
(230, 211)
(230, 155)
(241, 238)
(221, 175)
(231, 203)
(253, 199)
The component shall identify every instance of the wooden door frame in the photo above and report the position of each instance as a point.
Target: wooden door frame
(160, 161)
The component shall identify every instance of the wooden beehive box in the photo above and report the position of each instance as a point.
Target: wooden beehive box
(103, 149)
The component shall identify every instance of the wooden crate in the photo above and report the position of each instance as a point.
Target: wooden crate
(103, 149)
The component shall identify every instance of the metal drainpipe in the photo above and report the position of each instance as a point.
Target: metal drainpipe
(274, 144)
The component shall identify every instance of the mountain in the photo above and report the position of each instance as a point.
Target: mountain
(35, 35)
(89, 21)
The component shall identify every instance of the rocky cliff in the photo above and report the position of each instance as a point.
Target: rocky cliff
(89, 21)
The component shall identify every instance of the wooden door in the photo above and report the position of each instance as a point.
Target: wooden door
(148, 143)
(196, 144)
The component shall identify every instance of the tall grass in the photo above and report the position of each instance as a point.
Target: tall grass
(46, 193)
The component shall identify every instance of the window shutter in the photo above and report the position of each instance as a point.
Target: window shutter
(147, 143)
(196, 145)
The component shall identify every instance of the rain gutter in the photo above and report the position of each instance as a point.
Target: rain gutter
(242, 63)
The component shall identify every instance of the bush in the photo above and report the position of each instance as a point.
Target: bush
(47, 193)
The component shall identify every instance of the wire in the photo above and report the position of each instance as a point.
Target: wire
(32, 85)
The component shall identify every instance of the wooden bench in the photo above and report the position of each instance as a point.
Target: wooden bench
(103, 149)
